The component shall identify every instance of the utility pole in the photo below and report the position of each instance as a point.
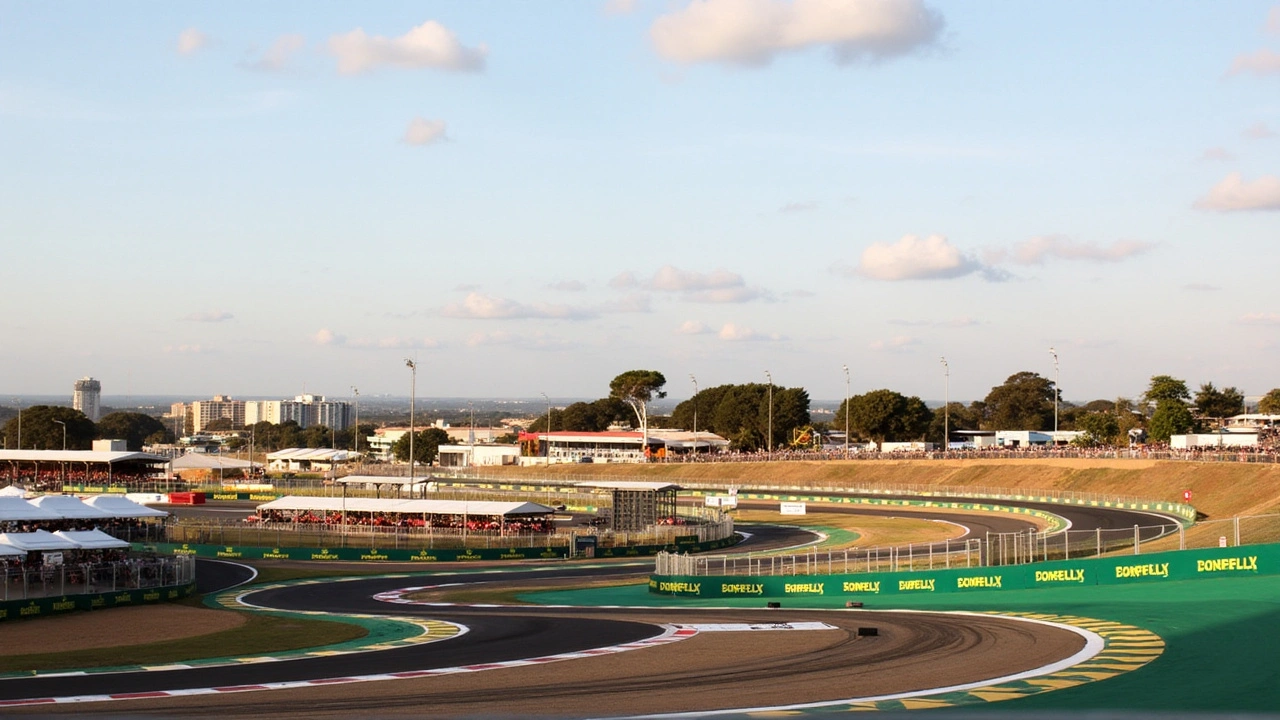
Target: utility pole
(1054, 353)
(413, 392)
(846, 411)
(770, 438)
(695, 412)
(946, 405)
(355, 392)
(544, 397)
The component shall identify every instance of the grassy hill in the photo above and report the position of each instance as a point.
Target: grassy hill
(1219, 489)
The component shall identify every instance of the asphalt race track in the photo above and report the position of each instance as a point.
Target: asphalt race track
(911, 651)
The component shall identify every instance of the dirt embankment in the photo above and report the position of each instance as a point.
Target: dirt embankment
(1218, 489)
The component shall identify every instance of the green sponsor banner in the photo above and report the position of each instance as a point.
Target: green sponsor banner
(1152, 568)
(95, 489)
(44, 607)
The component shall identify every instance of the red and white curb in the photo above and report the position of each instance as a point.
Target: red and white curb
(669, 635)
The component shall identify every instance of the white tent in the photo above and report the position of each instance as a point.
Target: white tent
(13, 509)
(412, 507)
(120, 507)
(37, 541)
(69, 507)
(13, 491)
(9, 550)
(92, 539)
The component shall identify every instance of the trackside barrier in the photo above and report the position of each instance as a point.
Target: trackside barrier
(233, 552)
(1150, 569)
(42, 607)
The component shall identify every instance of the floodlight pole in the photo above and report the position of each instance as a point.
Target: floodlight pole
(355, 392)
(946, 406)
(544, 397)
(846, 411)
(769, 440)
(1054, 353)
(695, 412)
(413, 392)
(19, 404)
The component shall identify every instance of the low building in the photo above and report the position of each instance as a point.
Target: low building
(1214, 440)
(479, 455)
(614, 445)
(308, 459)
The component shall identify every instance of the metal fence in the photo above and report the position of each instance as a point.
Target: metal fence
(994, 550)
(20, 582)
(707, 525)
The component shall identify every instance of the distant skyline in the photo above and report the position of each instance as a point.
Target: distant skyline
(202, 199)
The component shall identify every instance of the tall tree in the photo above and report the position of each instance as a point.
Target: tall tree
(638, 388)
(1219, 404)
(958, 417)
(1166, 387)
(40, 431)
(134, 428)
(1098, 428)
(426, 445)
(882, 415)
(1270, 403)
(1023, 402)
(1171, 417)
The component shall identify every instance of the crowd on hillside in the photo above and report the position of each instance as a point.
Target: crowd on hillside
(398, 521)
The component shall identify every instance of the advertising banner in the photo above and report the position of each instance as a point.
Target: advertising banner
(41, 607)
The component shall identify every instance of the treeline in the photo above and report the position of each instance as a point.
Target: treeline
(48, 427)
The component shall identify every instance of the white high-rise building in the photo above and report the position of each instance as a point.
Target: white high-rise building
(306, 410)
(87, 398)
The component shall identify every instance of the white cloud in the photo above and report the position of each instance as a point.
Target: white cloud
(1036, 250)
(478, 306)
(1262, 62)
(1234, 194)
(692, 327)
(1259, 131)
(325, 336)
(717, 286)
(429, 45)
(897, 343)
(568, 286)
(624, 280)
(741, 333)
(209, 317)
(1261, 319)
(633, 303)
(191, 41)
(424, 132)
(959, 322)
(276, 57)
(913, 258)
(1216, 154)
(753, 32)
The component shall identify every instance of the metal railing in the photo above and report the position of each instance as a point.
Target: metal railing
(995, 549)
(21, 582)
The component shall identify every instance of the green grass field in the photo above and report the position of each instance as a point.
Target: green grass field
(1222, 637)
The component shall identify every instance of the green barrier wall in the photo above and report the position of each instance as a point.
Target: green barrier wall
(42, 607)
(230, 552)
(1148, 568)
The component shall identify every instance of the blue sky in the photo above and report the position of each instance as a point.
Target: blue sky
(236, 198)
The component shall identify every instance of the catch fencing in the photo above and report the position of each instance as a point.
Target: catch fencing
(994, 550)
(23, 583)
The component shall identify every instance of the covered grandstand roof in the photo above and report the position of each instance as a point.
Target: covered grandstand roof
(384, 480)
(206, 461)
(409, 507)
(92, 539)
(78, 456)
(627, 485)
(67, 507)
(313, 454)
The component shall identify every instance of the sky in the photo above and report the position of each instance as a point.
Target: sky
(253, 199)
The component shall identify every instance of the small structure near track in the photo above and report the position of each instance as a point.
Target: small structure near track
(464, 516)
(638, 505)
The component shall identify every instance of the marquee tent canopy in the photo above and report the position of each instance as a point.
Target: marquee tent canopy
(69, 507)
(92, 540)
(119, 507)
(40, 540)
(14, 509)
(406, 507)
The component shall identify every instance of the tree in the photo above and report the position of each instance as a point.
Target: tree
(1166, 387)
(790, 411)
(882, 415)
(1098, 428)
(596, 416)
(1172, 417)
(41, 432)
(1270, 403)
(135, 429)
(957, 417)
(1023, 402)
(426, 445)
(222, 423)
(1219, 404)
(637, 388)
